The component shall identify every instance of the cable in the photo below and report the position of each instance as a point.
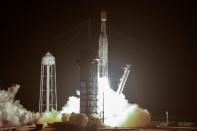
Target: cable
(70, 30)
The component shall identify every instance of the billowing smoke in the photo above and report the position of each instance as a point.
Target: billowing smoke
(136, 117)
(50, 117)
(79, 119)
(12, 113)
(118, 111)
(70, 113)
(72, 105)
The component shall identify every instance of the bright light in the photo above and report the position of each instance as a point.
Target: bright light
(72, 105)
(118, 111)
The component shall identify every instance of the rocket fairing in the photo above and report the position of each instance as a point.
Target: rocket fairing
(103, 48)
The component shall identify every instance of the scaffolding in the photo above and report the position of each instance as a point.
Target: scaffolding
(88, 83)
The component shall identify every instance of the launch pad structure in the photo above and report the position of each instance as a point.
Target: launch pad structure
(94, 65)
(88, 83)
(94, 73)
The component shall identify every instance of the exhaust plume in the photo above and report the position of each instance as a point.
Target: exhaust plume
(118, 111)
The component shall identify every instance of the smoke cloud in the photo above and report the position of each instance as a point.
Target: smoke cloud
(136, 117)
(79, 119)
(50, 117)
(72, 105)
(12, 113)
(118, 111)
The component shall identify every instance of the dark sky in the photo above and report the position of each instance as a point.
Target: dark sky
(157, 37)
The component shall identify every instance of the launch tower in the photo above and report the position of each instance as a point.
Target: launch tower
(48, 91)
(88, 82)
(93, 68)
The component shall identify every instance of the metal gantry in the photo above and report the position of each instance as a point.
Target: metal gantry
(123, 79)
(93, 67)
(88, 82)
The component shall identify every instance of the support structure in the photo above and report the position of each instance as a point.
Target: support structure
(88, 82)
(48, 91)
(123, 79)
(93, 68)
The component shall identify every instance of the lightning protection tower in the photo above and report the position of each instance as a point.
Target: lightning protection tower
(48, 91)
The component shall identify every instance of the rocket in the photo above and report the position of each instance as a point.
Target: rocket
(103, 48)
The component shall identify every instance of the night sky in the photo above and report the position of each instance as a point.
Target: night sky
(157, 37)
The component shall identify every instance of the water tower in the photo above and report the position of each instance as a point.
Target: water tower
(48, 91)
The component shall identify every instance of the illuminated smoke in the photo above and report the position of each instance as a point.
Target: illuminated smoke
(118, 111)
(72, 105)
(12, 113)
(136, 117)
(69, 110)
(79, 119)
(50, 117)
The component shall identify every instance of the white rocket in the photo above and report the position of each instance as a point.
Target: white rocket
(103, 48)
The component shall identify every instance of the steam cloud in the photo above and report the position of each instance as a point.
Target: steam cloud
(118, 111)
(12, 113)
(50, 117)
